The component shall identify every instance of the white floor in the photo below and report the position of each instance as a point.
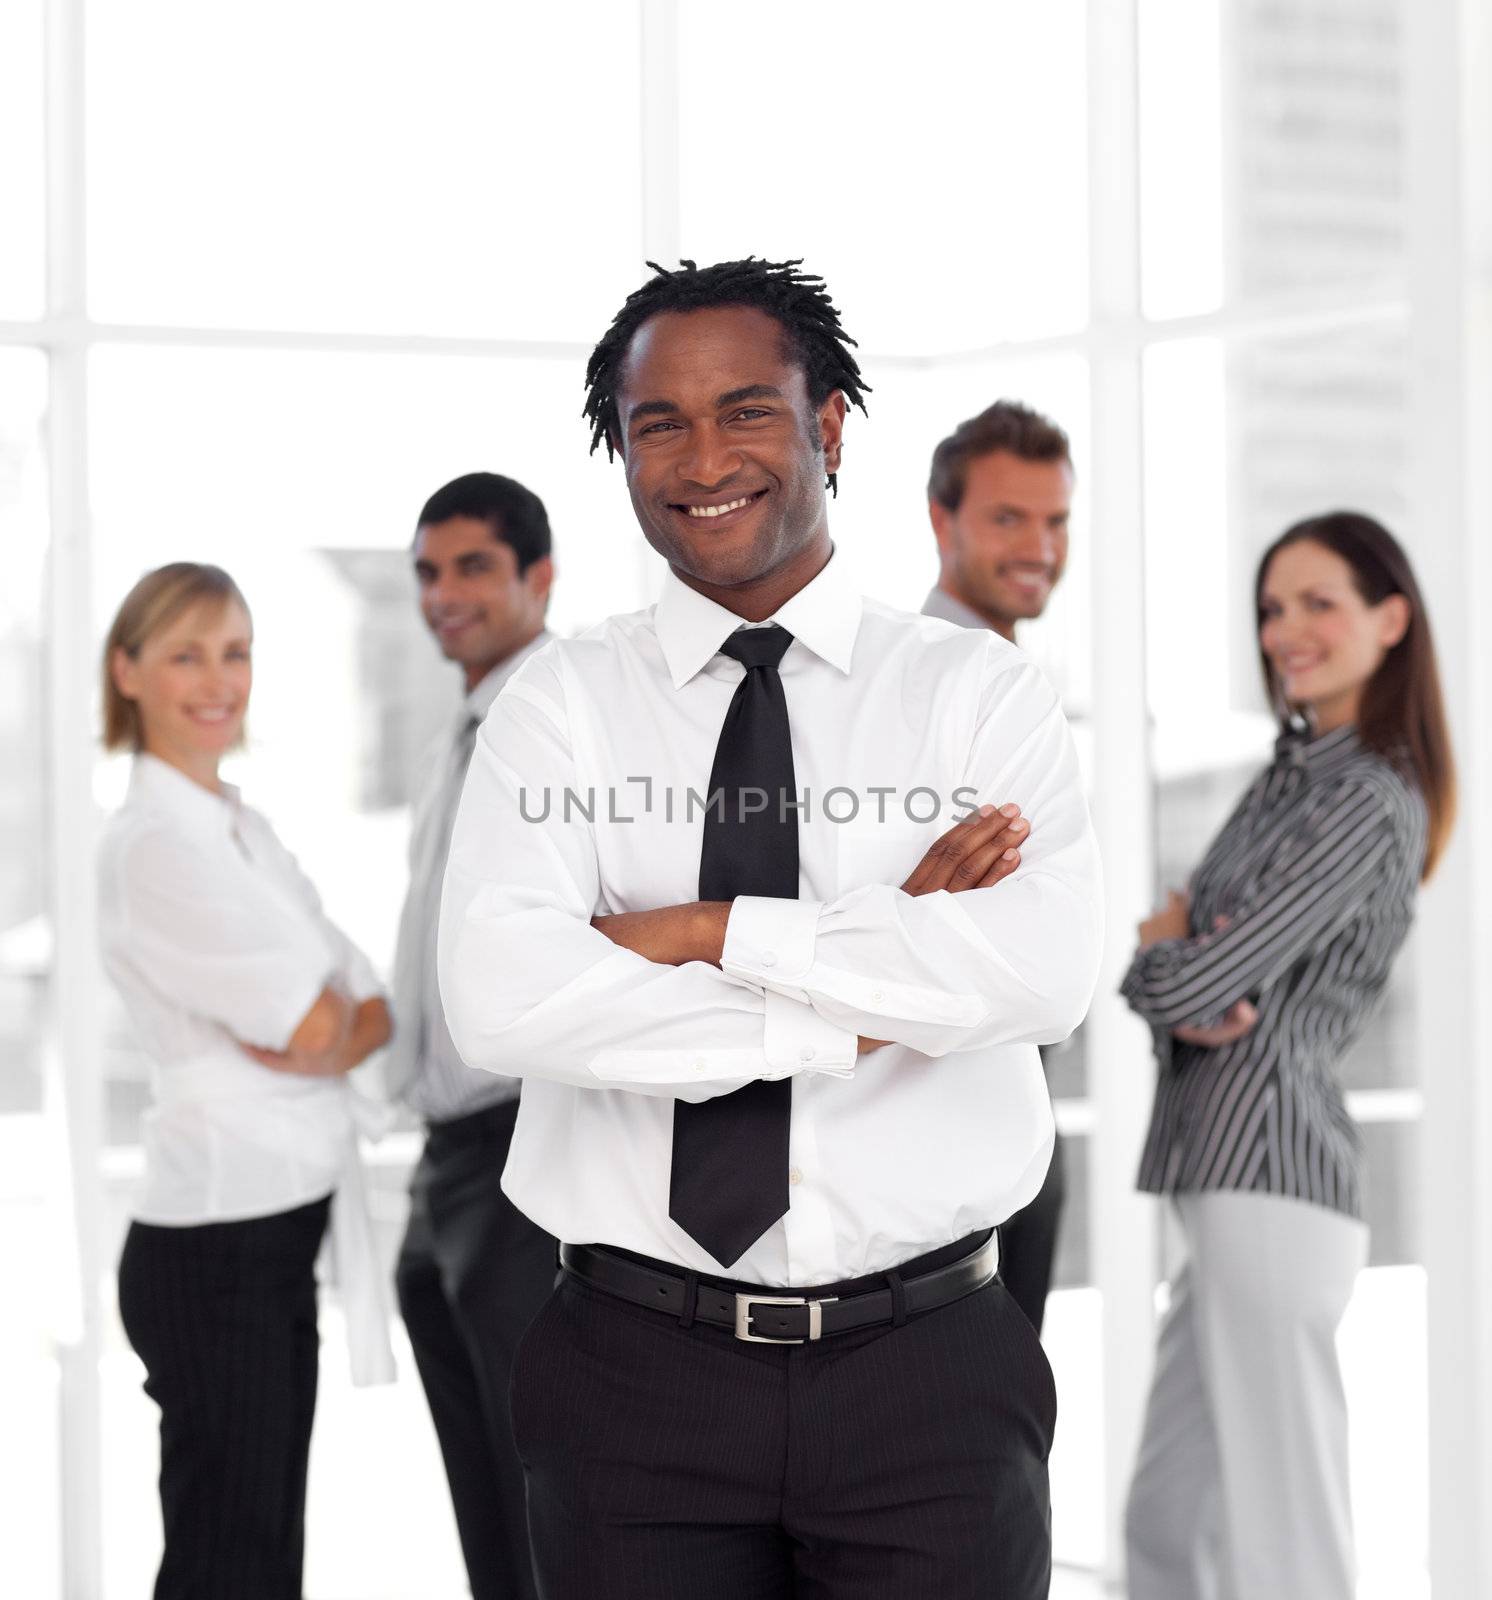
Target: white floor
(379, 1524)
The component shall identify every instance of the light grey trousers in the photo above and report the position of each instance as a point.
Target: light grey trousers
(1240, 1489)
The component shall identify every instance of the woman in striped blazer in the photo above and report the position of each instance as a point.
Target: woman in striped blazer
(1255, 984)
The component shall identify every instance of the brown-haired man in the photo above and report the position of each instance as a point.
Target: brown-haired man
(999, 495)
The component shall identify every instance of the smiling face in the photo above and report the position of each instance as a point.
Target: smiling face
(1005, 547)
(473, 598)
(1322, 639)
(725, 455)
(190, 681)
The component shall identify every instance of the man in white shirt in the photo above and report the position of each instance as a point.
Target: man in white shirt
(473, 1269)
(1000, 498)
(725, 889)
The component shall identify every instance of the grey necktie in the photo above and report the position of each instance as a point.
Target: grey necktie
(416, 946)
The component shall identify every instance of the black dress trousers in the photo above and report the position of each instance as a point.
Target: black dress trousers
(1028, 1241)
(675, 1463)
(472, 1272)
(224, 1317)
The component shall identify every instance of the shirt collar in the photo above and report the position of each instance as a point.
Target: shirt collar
(163, 788)
(824, 615)
(1320, 754)
(940, 603)
(479, 701)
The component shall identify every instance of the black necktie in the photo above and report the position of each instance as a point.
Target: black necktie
(728, 1182)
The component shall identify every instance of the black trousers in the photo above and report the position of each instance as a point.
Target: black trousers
(669, 1463)
(472, 1272)
(224, 1317)
(1028, 1242)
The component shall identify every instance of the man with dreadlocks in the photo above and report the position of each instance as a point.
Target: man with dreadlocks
(743, 886)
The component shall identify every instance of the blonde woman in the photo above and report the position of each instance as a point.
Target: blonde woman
(252, 1008)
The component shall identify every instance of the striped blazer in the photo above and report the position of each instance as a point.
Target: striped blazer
(1316, 873)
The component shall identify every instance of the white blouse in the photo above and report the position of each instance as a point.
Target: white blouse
(213, 935)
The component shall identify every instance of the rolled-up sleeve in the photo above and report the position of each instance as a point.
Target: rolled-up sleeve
(1319, 876)
(944, 972)
(531, 989)
(213, 936)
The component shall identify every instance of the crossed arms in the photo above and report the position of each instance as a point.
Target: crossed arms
(690, 1001)
(974, 854)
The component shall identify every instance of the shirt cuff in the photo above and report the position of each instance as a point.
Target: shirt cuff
(769, 941)
(797, 1039)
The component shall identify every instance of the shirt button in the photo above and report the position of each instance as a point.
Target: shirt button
(876, 997)
(807, 1053)
(699, 1066)
(794, 1176)
(769, 958)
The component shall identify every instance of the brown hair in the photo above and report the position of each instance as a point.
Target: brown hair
(1006, 425)
(155, 602)
(1402, 716)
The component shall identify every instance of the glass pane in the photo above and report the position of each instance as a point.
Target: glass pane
(22, 191)
(251, 456)
(28, 1374)
(25, 937)
(1180, 108)
(1272, 148)
(1314, 135)
(345, 166)
(1242, 440)
(935, 176)
(1318, 421)
(1187, 588)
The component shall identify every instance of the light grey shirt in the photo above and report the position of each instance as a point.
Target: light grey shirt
(424, 1068)
(940, 603)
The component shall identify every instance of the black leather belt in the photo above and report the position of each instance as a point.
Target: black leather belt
(762, 1317)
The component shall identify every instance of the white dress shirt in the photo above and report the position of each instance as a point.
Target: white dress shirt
(946, 1130)
(422, 1066)
(212, 934)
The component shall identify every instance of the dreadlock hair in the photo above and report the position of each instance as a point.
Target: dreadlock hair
(797, 300)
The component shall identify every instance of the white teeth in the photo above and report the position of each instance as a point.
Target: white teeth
(718, 511)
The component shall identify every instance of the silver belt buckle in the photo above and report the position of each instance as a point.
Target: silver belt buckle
(744, 1303)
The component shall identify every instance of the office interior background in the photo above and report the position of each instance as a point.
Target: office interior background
(272, 274)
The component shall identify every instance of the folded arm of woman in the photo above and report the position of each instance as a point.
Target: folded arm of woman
(1317, 879)
(333, 1037)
